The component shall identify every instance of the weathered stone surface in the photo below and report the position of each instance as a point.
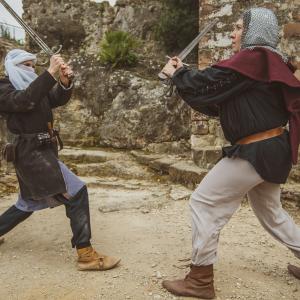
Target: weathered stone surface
(143, 158)
(181, 147)
(116, 200)
(74, 22)
(122, 109)
(87, 156)
(120, 169)
(207, 156)
(61, 30)
(291, 193)
(291, 30)
(140, 114)
(187, 173)
(179, 192)
(163, 164)
(8, 183)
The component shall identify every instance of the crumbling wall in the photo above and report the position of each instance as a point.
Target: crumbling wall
(118, 108)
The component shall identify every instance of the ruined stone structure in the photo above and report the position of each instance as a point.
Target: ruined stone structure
(206, 133)
(117, 108)
(127, 108)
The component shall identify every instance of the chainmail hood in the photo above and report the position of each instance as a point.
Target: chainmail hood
(261, 29)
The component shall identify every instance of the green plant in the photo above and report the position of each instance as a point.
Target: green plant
(178, 23)
(117, 49)
(5, 33)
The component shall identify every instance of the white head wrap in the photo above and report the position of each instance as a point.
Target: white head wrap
(19, 75)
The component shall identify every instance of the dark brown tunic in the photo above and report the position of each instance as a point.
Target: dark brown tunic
(28, 112)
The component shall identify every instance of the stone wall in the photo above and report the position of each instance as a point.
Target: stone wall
(117, 108)
(216, 46)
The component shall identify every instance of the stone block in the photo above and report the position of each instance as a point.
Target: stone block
(163, 164)
(187, 173)
(200, 141)
(206, 157)
(143, 158)
(200, 128)
(291, 30)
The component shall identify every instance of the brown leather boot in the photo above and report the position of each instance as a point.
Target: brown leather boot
(294, 271)
(89, 259)
(199, 283)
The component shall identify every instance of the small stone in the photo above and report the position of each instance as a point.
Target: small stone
(158, 275)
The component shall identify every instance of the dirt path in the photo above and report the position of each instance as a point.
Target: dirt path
(38, 263)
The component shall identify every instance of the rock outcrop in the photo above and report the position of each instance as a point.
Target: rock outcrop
(117, 108)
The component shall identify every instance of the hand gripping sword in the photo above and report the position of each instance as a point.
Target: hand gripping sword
(185, 52)
(35, 37)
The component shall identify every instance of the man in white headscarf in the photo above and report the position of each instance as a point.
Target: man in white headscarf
(27, 100)
(255, 94)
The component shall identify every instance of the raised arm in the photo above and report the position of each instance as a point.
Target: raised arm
(60, 95)
(12, 100)
(62, 92)
(208, 87)
(205, 90)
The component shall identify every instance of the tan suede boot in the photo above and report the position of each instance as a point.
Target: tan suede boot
(89, 259)
(199, 283)
(1, 240)
(294, 271)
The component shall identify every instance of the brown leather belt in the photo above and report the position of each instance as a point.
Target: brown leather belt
(261, 136)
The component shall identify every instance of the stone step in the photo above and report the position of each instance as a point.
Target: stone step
(119, 183)
(206, 157)
(119, 169)
(295, 174)
(187, 173)
(157, 162)
(179, 170)
(290, 192)
(68, 155)
(144, 158)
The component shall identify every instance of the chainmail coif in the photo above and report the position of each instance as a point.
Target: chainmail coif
(261, 29)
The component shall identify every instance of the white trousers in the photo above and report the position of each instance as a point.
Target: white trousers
(220, 194)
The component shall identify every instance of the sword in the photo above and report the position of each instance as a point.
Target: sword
(186, 51)
(35, 37)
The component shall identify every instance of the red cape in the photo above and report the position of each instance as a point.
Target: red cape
(264, 65)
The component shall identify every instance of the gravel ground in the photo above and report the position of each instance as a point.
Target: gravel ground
(37, 261)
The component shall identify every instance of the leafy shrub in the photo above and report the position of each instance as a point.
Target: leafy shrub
(178, 24)
(5, 33)
(117, 49)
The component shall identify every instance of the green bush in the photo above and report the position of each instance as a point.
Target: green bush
(5, 33)
(178, 24)
(117, 49)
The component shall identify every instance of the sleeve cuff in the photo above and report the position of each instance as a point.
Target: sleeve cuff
(179, 71)
(66, 88)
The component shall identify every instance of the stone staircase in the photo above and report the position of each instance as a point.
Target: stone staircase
(143, 180)
(120, 181)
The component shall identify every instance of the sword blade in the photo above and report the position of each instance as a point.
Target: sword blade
(28, 29)
(185, 52)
